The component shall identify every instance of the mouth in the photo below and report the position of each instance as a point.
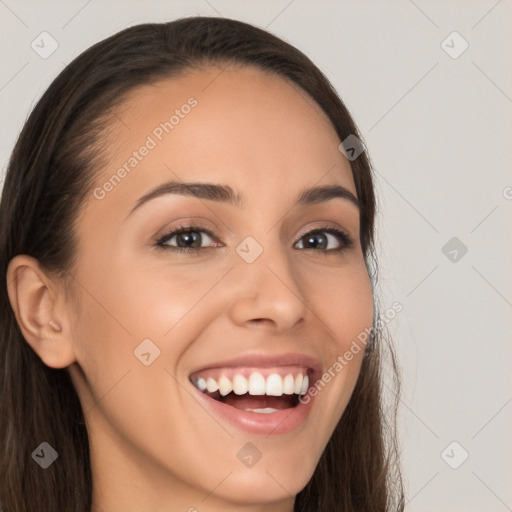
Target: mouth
(259, 394)
(263, 391)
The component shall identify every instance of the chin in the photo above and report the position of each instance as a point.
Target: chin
(266, 483)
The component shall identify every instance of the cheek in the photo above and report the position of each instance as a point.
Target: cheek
(133, 314)
(344, 302)
(142, 299)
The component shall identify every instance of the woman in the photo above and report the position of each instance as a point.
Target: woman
(188, 317)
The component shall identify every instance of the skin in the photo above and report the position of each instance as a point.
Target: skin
(153, 447)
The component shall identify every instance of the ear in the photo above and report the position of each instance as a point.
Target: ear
(34, 298)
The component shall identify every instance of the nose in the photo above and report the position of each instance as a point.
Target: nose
(267, 293)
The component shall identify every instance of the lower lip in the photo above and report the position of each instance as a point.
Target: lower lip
(280, 422)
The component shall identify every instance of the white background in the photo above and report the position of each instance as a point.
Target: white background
(439, 133)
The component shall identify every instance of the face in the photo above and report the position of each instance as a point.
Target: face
(192, 347)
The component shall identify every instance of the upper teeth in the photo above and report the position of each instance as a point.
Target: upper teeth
(256, 384)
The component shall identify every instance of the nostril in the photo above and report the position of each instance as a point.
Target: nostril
(262, 321)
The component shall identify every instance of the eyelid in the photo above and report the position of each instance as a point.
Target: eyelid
(322, 227)
(188, 222)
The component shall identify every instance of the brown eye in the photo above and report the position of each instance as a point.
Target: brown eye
(187, 238)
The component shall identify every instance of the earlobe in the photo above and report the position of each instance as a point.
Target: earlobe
(33, 295)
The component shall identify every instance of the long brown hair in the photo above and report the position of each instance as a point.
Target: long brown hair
(51, 172)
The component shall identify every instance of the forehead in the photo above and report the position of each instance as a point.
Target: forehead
(242, 126)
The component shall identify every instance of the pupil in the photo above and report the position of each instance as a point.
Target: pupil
(184, 239)
(313, 240)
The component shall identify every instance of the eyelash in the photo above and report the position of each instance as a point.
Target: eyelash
(345, 240)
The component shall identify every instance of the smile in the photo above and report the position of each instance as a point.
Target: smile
(249, 390)
(259, 394)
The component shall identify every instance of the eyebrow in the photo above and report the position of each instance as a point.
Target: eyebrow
(225, 194)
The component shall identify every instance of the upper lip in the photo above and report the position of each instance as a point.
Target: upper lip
(259, 360)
